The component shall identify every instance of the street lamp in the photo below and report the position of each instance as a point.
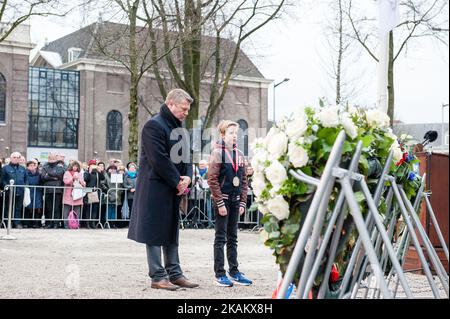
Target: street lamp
(274, 86)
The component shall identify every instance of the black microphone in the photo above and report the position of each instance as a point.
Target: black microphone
(429, 137)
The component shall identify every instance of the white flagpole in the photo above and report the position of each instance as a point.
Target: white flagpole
(382, 101)
(388, 19)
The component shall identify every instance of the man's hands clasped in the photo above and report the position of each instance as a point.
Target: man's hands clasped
(183, 184)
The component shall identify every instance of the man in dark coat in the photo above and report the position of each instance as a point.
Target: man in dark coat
(14, 171)
(52, 176)
(163, 176)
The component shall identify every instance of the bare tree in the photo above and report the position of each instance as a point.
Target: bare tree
(343, 54)
(420, 19)
(210, 34)
(129, 45)
(15, 12)
(183, 43)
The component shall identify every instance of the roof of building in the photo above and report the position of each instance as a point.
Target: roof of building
(113, 36)
(52, 58)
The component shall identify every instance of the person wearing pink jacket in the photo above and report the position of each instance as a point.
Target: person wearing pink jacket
(71, 177)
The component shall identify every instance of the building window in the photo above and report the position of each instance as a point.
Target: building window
(243, 136)
(114, 131)
(54, 108)
(73, 54)
(2, 98)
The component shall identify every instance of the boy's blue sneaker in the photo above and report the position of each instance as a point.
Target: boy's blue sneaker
(223, 281)
(240, 279)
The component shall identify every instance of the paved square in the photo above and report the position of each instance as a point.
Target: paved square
(105, 264)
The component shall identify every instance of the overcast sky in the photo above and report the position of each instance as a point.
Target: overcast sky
(295, 48)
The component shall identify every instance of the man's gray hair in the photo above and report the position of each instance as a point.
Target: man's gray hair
(52, 156)
(179, 96)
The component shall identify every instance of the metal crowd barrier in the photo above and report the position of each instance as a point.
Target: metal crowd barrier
(2, 207)
(366, 274)
(250, 218)
(115, 205)
(201, 211)
(47, 207)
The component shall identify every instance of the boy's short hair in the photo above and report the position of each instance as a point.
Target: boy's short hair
(224, 124)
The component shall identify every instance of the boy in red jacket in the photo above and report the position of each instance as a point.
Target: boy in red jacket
(227, 181)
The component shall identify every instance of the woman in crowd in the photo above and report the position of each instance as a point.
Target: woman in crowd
(93, 180)
(34, 209)
(129, 182)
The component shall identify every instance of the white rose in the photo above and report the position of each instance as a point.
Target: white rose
(329, 117)
(258, 184)
(263, 209)
(257, 144)
(297, 155)
(277, 145)
(259, 159)
(276, 174)
(391, 134)
(349, 126)
(283, 123)
(404, 137)
(297, 127)
(274, 191)
(310, 139)
(376, 118)
(263, 235)
(352, 110)
(273, 130)
(278, 207)
(398, 154)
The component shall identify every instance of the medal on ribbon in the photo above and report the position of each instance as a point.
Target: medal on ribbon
(235, 166)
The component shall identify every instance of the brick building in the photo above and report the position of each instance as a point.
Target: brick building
(78, 101)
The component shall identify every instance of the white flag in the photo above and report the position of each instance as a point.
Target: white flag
(389, 15)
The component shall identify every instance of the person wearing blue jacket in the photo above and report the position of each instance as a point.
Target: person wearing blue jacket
(34, 210)
(13, 171)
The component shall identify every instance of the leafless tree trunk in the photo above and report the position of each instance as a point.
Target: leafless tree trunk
(391, 88)
(340, 53)
(214, 59)
(343, 51)
(129, 45)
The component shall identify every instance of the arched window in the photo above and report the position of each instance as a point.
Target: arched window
(114, 131)
(2, 98)
(243, 136)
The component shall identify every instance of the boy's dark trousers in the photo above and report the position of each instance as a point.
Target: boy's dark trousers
(226, 233)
